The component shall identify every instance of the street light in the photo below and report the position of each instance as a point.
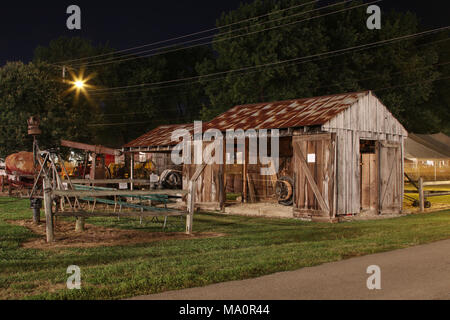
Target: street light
(79, 84)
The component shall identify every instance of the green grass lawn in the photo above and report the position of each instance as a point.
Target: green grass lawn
(253, 247)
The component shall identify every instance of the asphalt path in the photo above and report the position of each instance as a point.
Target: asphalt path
(421, 272)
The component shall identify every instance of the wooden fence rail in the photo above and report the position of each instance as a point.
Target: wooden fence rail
(423, 195)
(49, 195)
(109, 181)
(106, 193)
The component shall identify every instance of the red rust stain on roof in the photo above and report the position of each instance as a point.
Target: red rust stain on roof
(285, 114)
(270, 115)
(161, 136)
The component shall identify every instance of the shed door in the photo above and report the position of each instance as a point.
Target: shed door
(369, 177)
(390, 177)
(315, 174)
(210, 184)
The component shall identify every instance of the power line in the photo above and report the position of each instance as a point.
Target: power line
(113, 59)
(411, 84)
(192, 34)
(273, 63)
(225, 39)
(333, 85)
(226, 77)
(379, 89)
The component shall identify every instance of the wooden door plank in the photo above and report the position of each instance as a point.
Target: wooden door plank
(323, 205)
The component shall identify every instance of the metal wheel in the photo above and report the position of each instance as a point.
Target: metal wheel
(285, 191)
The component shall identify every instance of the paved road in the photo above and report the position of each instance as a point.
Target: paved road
(421, 272)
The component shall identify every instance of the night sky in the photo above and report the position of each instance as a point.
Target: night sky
(124, 24)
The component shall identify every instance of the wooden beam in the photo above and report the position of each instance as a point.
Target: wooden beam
(435, 183)
(48, 210)
(92, 174)
(89, 147)
(108, 181)
(421, 195)
(132, 170)
(251, 189)
(84, 214)
(244, 172)
(190, 207)
(105, 193)
(436, 193)
(323, 205)
(192, 186)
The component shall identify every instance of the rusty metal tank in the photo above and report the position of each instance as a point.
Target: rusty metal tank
(21, 164)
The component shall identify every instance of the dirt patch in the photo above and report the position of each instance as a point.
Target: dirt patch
(96, 236)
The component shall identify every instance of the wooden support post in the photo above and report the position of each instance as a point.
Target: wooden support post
(48, 210)
(79, 225)
(251, 189)
(36, 216)
(93, 166)
(132, 171)
(190, 207)
(192, 187)
(421, 195)
(245, 171)
(36, 205)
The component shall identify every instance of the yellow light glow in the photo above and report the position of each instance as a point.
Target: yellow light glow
(79, 84)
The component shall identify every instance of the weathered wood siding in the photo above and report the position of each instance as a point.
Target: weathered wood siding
(163, 161)
(263, 186)
(210, 184)
(367, 119)
(369, 180)
(316, 197)
(391, 178)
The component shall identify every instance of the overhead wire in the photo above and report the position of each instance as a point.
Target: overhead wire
(106, 98)
(134, 55)
(202, 77)
(215, 41)
(191, 34)
(326, 86)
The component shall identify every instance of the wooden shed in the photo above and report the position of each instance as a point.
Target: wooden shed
(342, 155)
(157, 144)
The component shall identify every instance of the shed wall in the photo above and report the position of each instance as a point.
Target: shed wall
(367, 119)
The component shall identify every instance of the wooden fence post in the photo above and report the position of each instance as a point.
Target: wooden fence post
(48, 210)
(421, 195)
(79, 224)
(190, 207)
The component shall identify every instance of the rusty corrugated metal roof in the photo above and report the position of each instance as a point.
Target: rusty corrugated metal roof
(270, 115)
(161, 136)
(285, 114)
